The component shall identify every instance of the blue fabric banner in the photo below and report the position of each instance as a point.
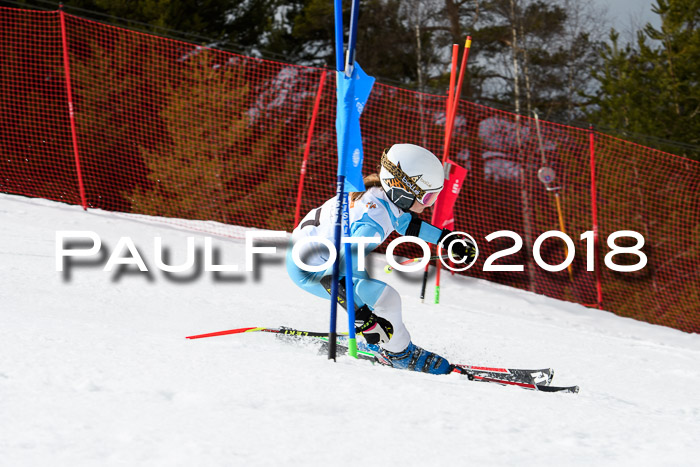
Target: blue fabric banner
(353, 93)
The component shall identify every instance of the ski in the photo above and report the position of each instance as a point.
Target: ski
(531, 386)
(486, 377)
(280, 330)
(542, 377)
(538, 380)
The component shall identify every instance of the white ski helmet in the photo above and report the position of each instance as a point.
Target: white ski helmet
(408, 173)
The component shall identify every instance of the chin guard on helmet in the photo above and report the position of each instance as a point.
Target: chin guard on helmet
(401, 187)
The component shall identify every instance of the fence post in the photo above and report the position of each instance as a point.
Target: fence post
(307, 148)
(71, 113)
(594, 212)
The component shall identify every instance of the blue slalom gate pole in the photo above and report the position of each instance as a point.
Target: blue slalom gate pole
(342, 208)
(350, 287)
(352, 40)
(339, 41)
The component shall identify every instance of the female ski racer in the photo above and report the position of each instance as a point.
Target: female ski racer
(409, 181)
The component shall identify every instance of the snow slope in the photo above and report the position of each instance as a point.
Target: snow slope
(95, 369)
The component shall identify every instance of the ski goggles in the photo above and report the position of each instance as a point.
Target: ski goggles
(429, 198)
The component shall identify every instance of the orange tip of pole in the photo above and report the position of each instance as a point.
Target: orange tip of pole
(468, 43)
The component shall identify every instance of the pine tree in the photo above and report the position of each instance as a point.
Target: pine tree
(190, 171)
(654, 89)
(229, 23)
(536, 56)
(222, 157)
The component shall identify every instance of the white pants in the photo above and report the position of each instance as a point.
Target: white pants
(388, 306)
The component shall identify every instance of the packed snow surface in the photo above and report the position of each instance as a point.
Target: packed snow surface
(95, 369)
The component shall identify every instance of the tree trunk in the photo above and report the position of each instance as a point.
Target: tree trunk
(524, 195)
(419, 71)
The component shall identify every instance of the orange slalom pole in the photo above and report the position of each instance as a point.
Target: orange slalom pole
(448, 138)
(562, 226)
(455, 99)
(450, 92)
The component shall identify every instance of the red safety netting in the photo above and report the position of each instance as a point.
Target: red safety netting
(167, 128)
(35, 135)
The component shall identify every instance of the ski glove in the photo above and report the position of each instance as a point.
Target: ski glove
(462, 248)
(374, 329)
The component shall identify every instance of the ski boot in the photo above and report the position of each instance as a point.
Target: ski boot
(416, 359)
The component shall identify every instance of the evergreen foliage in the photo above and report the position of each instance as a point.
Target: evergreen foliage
(527, 55)
(210, 164)
(191, 170)
(654, 88)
